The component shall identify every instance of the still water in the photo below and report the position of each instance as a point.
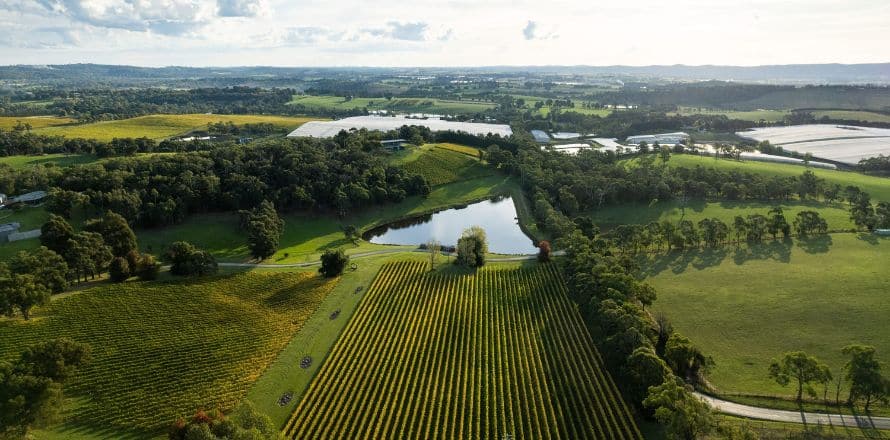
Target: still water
(497, 217)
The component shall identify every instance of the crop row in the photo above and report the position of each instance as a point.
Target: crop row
(440, 165)
(494, 354)
(161, 350)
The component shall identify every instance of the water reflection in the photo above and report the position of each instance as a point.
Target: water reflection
(497, 217)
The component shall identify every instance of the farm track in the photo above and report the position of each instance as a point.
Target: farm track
(805, 418)
(487, 354)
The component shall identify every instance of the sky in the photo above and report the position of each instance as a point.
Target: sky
(443, 32)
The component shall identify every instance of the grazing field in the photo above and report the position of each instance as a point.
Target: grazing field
(163, 349)
(163, 126)
(746, 306)
(59, 159)
(497, 353)
(409, 105)
(8, 122)
(877, 187)
(444, 165)
(852, 115)
(752, 115)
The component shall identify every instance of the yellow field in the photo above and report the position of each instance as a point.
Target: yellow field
(163, 126)
(7, 122)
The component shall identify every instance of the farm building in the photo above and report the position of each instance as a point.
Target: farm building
(664, 138)
(394, 144)
(540, 136)
(31, 198)
(326, 129)
(8, 228)
(883, 232)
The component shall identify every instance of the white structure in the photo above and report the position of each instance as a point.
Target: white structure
(662, 139)
(540, 136)
(841, 143)
(757, 156)
(31, 197)
(7, 230)
(609, 144)
(24, 235)
(566, 135)
(326, 129)
(2, 198)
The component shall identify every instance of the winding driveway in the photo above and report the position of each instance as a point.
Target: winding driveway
(806, 418)
(372, 253)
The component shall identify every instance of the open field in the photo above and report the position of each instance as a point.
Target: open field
(164, 349)
(747, 306)
(427, 355)
(163, 126)
(854, 115)
(444, 165)
(752, 115)
(877, 187)
(8, 122)
(59, 159)
(408, 105)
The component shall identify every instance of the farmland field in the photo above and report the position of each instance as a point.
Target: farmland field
(752, 115)
(163, 126)
(59, 159)
(8, 122)
(746, 306)
(444, 165)
(493, 354)
(409, 105)
(164, 349)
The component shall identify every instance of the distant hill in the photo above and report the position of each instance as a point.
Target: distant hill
(97, 74)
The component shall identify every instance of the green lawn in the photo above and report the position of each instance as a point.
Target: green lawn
(8, 122)
(853, 115)
(835, 214)
(411, 105)
(877, 187)
(59, 159)
(163, 126)
(753, 115)
(745, 306)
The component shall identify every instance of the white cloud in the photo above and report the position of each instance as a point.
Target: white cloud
(168, 17)
(529, 30)
(242, 8)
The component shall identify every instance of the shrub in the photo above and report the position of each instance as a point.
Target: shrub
(186, 259)
(119, 270)
(544, 251)
(472, 247)
(148, 268)
(333, 262)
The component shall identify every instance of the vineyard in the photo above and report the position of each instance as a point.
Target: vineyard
(440, 166)
(499, 353)
(162, 350)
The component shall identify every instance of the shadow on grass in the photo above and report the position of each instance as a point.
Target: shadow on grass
(75, 430)
(815, 245)
(678, 261)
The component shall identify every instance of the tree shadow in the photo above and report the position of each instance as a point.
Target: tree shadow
(778, 250)
(871, 239)
(815, 245)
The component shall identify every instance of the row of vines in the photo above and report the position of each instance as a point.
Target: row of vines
(498, 353)
(161, 350)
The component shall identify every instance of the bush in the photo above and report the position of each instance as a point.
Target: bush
(119, 270)
(544, 251)
(148, 268)
(185, 259)
(472, 247)
(333, 262)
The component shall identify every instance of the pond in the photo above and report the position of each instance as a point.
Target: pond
(497, 217)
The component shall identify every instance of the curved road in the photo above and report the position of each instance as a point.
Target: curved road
(806, 418)
(372, 253)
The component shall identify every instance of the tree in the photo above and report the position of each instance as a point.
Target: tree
(21, 292)
(684, 358)
(351, 233)
(115, 231)
(87, 255)
(244, 423)
(864, 375)
(55, 233)
(333, 261)
(740, 226)
(48, 268)
(644, 369)
(777, 223)
(800, 367)
(62, 202)
(433, 247)
(119, 270)
(31, 387)
(472, 247)
(147, 268)
(684, 415)
(544, 251)
(187, 260)
(264, 227)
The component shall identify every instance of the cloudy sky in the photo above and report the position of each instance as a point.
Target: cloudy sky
(443, 32)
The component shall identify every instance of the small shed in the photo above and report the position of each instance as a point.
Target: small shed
(7, 229)
(394, 144)
(883, 232)
(31, 198)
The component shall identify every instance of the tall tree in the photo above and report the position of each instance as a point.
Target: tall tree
(800, 367)
(55, 233)
(472, 247)
(684, 415)
(31, 387)
(48, 267)
(22, 292)
(864, 375)
(264, 227)
(115, 231)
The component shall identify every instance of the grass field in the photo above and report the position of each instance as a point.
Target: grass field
(852, 115)
(877, 187)
(8, 122)
(745, 307)
(59, 159)
(163, 126)
(410, 105)
(463, 355)
(164, 349)
(753, 115)
(441, 165)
